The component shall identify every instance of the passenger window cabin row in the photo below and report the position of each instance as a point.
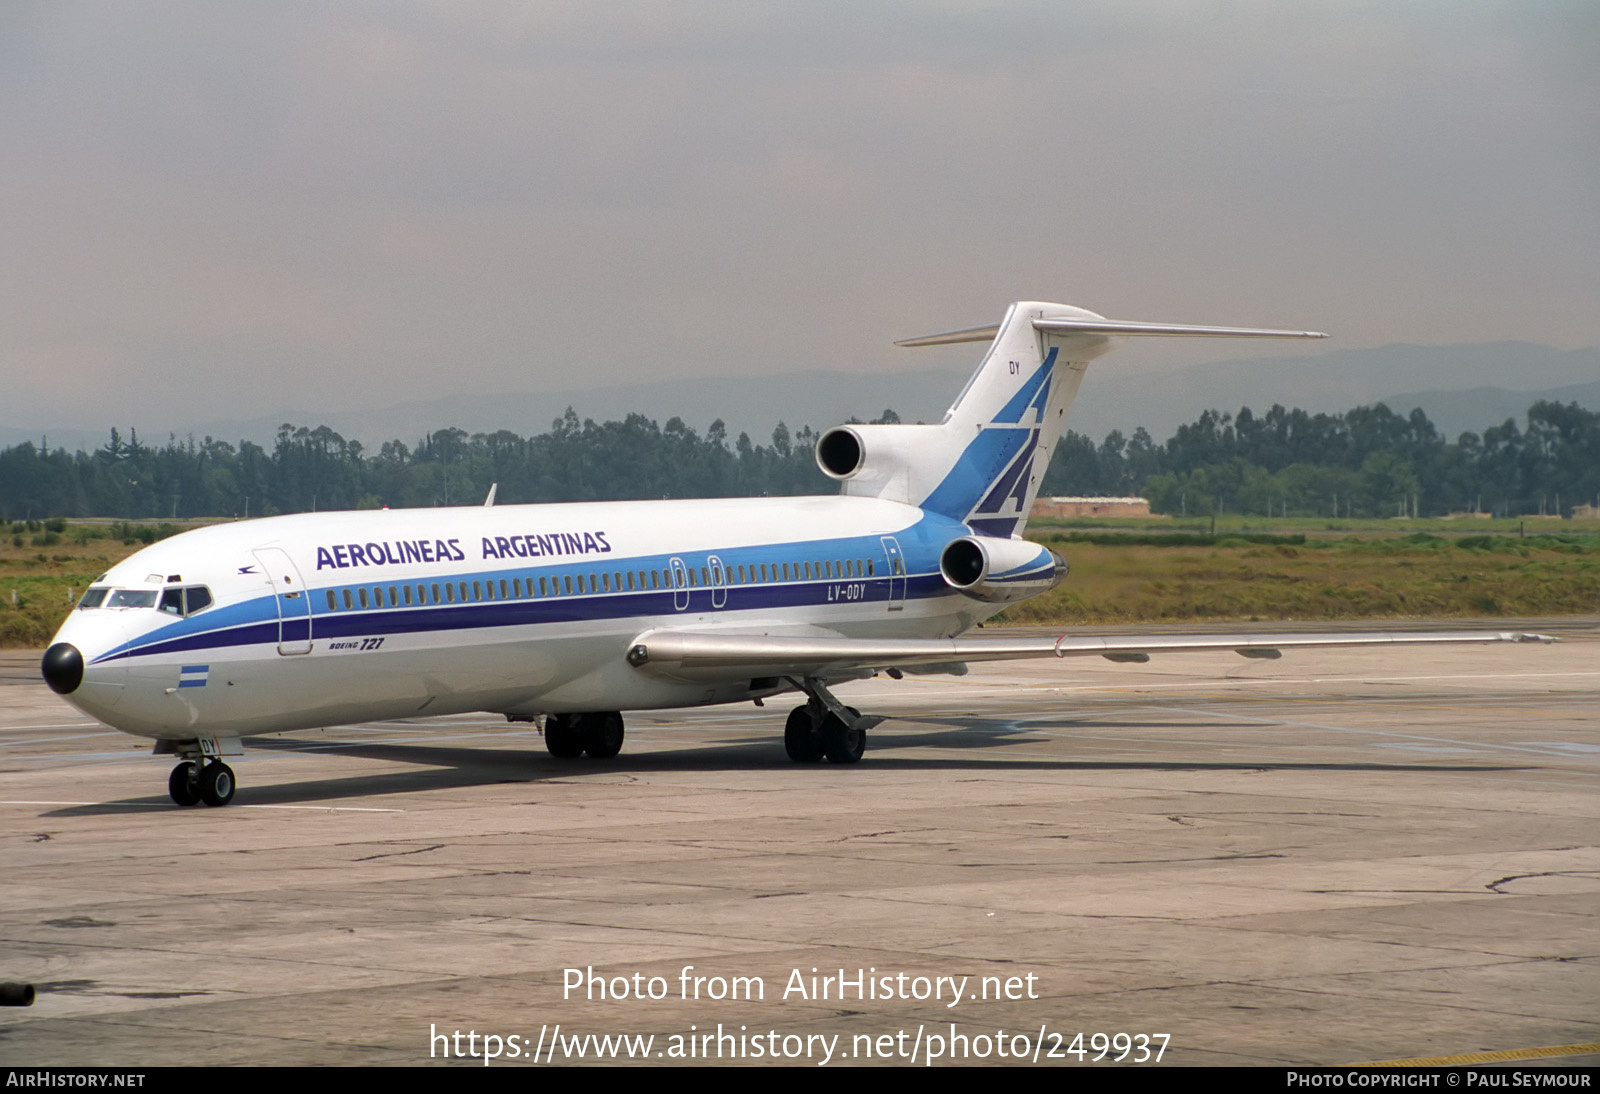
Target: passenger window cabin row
(708, 575)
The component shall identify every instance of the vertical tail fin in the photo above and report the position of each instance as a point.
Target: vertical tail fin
(1004, 425)
(983, 464)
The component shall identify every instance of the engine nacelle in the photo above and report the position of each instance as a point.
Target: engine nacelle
(1000, 570)
(841, 452)
(897, 462)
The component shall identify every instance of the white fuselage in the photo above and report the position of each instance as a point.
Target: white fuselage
(326, 618)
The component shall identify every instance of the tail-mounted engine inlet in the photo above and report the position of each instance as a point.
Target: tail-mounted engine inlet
(1000, 570)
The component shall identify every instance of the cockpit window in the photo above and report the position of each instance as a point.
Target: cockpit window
(132, 598)
(180, 601)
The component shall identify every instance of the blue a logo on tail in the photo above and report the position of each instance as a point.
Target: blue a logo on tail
(990, 485)
(1010, 493)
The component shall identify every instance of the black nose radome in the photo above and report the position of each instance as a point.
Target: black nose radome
(16, 995)
(62, 668)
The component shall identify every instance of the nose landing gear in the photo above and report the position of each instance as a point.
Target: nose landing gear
(183, 784)
(190, 784)
(201, 776)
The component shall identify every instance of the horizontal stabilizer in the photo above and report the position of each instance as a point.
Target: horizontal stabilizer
(1116, 327)
(951, 338)
(1163, 330)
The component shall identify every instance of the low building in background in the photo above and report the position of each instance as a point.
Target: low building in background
(1091, 507)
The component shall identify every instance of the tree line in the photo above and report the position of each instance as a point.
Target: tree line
(1365, 462)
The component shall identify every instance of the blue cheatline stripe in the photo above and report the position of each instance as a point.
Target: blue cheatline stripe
(223, 638)
(520, 613)
(256, 622)
(191, 683)
(257, 611)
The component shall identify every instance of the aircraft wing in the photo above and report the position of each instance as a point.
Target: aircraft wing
(705, 655)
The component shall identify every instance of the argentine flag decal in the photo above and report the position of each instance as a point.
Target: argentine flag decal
(193, 676)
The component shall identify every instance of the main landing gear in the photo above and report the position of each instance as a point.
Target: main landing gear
(569, 736)
(191, 783)
(825, 727)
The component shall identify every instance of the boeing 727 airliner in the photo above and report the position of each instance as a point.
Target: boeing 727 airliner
(567, 615)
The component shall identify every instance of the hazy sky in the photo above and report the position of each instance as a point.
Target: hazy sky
(238, 207)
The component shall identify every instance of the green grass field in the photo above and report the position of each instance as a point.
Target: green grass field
(45, 566)
(1143, 571)
(1322, 526)
(1141, 580)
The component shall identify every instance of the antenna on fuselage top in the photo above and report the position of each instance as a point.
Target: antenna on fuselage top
(488, 501)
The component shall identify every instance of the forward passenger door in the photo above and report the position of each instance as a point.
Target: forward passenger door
(293, 602)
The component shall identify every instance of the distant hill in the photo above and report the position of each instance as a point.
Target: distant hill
(1417, 375)
(745, 404)
(1456, 412)
(1462, 387)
